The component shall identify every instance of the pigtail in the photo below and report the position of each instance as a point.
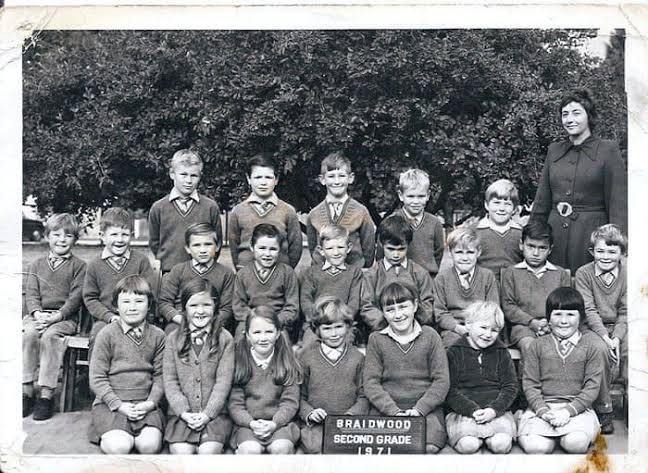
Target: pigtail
(183, 339)
(216, 328)
(285, 366)
(243, 362)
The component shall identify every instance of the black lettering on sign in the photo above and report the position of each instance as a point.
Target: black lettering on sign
(374, 435)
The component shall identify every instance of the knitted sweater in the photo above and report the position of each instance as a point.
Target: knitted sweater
(167, 228)
(280, 291)
(55, 289)
(121, 370)
(451, 298)
(576, 378)
(101, 278)
(499, 250)
(260, 398)
(398, 378)
(316, 283)
(479, 384)
(524, 295)
(220, 277)
(242, 220)
(335, 386)
(198, 383)
(356, 219)
(604, 305)
(375, 280)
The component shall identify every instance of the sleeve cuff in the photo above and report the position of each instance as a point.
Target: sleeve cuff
(114, 404)
(572, 410)
(542, 411)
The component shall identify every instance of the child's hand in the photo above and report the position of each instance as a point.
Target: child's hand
(263, 428)
(114, 318)
(199, 421)
(560, 417)
(188, 418)
(128, 409)
(460, 329)
(548, 416)
(412, 413)
(482, 416)
(317, 416)
(613, 345)
(54, 317)
(143, 408)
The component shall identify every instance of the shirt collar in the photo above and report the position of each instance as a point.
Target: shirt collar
(574, 339)
(125, 327)
(262, 362)
(255, 199)
(614, 272)
(195, 263)
(403, 339)
(333, 200)
(388, 265)
(327, 265)
(332, 353)
(206, 329)
(488, 223)
(416, 218)
(175, 194)
(471, 273)
(105, 254)
(548, 266)
(65, 256)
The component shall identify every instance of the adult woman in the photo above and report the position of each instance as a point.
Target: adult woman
(583, 184)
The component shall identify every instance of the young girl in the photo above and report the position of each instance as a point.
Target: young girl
(562, 375)
(332, 372)
(265, 396)
(198, 372)
(483, 384)
(406, 368)
(126, 375)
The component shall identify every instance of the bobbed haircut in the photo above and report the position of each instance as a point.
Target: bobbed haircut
(332, 232)
(611, 235)
(135, 284)
(200, 229)
(186, 157)
(266, 230)
(183, 334)
(413, 178)
(335, 160)
(395, 230)
(537, 229)
(262, 160)
(116, 217)
(463, 237)
(329, 310)
(565, 298)
(484, 311)
(195, 286)
(584, 98)
(63, 221)
(502, 189)
(397, 292)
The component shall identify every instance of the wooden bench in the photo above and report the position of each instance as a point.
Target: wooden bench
(75, 346)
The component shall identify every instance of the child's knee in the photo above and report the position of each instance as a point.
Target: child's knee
(210, 448)
(30, 335)
(500, 443)
(524, 345)
(116, 443)
(468, 444)
(182, 448)
(249, 447)
(149, 441)
(281, 447)
(536, 444)
(575, 442)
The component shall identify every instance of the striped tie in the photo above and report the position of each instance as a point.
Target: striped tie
(136, 334)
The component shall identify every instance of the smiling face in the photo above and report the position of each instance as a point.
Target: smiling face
(333, 335)
(262, 336)
(499, 210)
(394, 254)
(337, 181)
(266, 251)
(464, 257)
(200, 310)
(400, 316)
(606, 257)
(482, 333)
(575, 120)
(116, 239)
(564, 323)
(535, 252)
(414, 199)
(132, 307)
(202, 247)
(185, 178)
(60, 241)
(335, 250)
(262, 181)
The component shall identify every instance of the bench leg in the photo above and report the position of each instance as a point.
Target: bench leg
(66, 380)
(69, 379)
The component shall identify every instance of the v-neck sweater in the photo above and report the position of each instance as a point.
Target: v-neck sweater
(317, 282)
(499, 250)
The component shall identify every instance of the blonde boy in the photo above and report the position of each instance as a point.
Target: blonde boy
(170, 216)
(338, 208)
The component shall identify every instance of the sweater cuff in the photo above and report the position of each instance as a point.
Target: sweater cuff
(280, 419)
(542, 411)
(114, 403)
(573, 411)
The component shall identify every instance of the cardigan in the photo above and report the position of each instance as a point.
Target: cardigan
(335, 386)
(604, 305)
(356, 219)
(55, 289)
(167, 226)
(451, 298)
(316, 282)
(476, 384)
(198, 383)
(592, 177)
(397, 378)
(121, 370)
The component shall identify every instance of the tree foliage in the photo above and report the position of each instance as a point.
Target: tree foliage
(105, 110)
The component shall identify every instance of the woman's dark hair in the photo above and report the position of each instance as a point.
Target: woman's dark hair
(583, 97)
(183, 336)
(565, 298)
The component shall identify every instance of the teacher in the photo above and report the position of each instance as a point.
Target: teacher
(583, 184)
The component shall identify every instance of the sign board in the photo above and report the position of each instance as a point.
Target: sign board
(374, 435)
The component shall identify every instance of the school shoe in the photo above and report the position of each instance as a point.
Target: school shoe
(43, 409)
(28, 405)
(607, 427)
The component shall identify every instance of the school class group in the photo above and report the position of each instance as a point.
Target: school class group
(252, 359)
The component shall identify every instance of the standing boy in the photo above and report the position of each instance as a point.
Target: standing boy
(171, 215)
(340, 209)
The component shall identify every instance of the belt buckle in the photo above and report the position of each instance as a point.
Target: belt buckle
(565, 209)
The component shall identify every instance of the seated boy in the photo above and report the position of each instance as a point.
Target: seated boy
(406, 369)
(53, 300)
(338, 208)
(455, 288)
(203, 245)
(332, 278)
(263, 206)
(499, 235)
(171, 215)
(526, 285)
(603, 285)
(115, 263)
(266, 281)
(394, 236)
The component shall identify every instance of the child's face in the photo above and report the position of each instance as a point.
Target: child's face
(132, 307)
(202, 248)
(200, 310)
(266, 251)
(116, 240)
(400, 316)
(464, 257)
(414, 199)
(499, 210)
(564, 323)
(333, 335)
(337, 181)
(335, 250)
(482, 333)
(60, 241)
(535, 252)
(262, 336)
(394, 254)
(263, 181)
(185, 178)
(606, 257)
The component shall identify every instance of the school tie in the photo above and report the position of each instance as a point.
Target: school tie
(464, 279)
(336, 207)
(56, 261)
(202, 268)
(607, 278)
(117, 262)
(136, 334)
(264, 273)
(397, 267)
(184, 204)
(565, 346)
(198, 337)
